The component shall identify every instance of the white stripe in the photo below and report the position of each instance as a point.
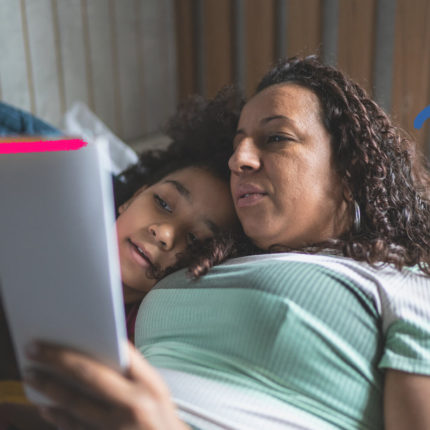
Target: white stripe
(213, 405)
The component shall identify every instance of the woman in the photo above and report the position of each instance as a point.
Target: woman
(336, 335)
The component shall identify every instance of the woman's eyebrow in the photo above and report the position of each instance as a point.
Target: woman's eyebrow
(183, 191)
(264, 121)
(289, 121)
(275, 117)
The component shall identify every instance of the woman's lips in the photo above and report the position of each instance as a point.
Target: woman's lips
(138, 254)
(249, 199)
(248, 195)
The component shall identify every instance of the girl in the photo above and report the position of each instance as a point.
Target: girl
(170, 206)
(173, 202)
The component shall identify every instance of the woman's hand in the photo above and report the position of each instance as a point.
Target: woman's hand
(95, 396)
(406, 401)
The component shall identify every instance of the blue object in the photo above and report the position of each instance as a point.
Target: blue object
(15, 121)
(422, 117)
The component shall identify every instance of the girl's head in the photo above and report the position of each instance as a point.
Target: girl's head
(175, 199)
(162, 220)
(310, 144)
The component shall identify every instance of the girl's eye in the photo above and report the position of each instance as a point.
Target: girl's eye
(191, 237)
(162, 203)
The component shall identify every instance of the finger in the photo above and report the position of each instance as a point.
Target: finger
(140, 370)
(68, 397)
(133, 400)
(61, 419)
(92, 376)
(75, 411)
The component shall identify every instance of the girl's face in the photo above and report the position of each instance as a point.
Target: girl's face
(159, 221)
(284, 184)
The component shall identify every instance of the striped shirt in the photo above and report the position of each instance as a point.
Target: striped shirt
(286, 340)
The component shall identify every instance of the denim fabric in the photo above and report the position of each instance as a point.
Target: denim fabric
(14, 121)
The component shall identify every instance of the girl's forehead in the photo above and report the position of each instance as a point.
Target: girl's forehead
(198, 186)
(190, 174)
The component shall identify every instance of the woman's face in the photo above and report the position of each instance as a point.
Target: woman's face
(284, 185)
(159, 221)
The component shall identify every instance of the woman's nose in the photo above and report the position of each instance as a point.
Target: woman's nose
(246, 157)
(164, 235)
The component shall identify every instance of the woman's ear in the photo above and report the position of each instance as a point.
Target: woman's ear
(125, 205)
(347, 193)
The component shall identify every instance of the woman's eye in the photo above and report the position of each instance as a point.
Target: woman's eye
(162, 203)
(276, 138)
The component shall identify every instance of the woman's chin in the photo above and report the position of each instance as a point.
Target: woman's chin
(259, 238)
(273, 242)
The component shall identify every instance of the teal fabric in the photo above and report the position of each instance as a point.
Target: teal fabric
(407, 347)
(300, 332)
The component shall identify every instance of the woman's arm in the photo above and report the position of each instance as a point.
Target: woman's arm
(406, 401)
(96, 396)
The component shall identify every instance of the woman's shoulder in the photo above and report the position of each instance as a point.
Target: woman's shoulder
(333, 259)
(382, 281)
(326, 262)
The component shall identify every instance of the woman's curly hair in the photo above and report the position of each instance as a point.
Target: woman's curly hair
(202, 132)
(378, 163)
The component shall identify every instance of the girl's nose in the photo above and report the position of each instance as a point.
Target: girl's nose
(164, 235)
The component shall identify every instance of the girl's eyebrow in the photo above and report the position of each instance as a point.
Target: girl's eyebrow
(182, 190)
(212, 226)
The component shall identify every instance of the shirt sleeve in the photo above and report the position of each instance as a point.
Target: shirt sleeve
(406, 323)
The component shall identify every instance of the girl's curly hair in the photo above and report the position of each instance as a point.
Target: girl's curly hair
(378, 162)
(202, 132)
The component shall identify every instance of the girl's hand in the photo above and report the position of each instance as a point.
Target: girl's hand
(89, 394)
(9, 368)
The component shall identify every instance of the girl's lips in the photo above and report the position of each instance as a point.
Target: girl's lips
(249, 199)
(140, 259)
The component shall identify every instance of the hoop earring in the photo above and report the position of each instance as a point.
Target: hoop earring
(357, 217)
